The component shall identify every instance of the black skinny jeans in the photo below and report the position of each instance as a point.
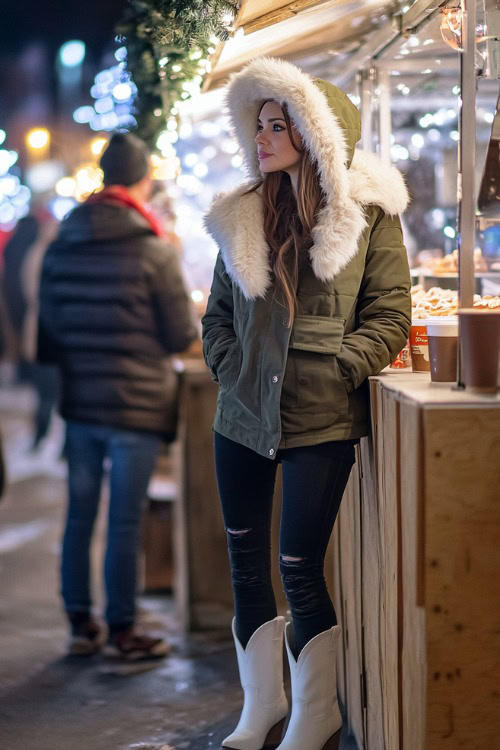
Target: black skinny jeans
(314, 480)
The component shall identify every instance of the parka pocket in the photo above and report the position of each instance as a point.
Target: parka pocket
(313, 380)
(313, 333)
(229, 367)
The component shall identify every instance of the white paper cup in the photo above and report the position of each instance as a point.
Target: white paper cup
(442, 334)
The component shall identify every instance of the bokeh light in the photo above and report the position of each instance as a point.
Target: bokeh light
(38, 138)
(72, 53)
(97, 145)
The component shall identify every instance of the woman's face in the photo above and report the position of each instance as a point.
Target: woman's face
(275, 150)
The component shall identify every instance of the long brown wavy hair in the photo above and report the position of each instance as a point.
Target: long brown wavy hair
(289, 219)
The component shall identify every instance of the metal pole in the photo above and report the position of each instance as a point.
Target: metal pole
(366, 95)
(467, 163)
(384, 114)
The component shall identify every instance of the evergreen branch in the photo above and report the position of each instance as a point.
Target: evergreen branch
(168, 43)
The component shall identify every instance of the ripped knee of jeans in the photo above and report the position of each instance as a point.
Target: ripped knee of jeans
(250, 566)
(289, 559)
(293, 571)
(237, 533)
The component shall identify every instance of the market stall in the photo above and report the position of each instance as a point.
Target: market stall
(415, 546)
(414, 549)
(415, 543)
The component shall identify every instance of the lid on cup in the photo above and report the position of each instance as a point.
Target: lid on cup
(443, 327)
(479, 311)
(440, 319)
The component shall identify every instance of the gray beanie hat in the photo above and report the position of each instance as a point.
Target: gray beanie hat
(125, 161)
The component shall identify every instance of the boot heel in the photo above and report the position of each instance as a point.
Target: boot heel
(273, 738)
(334, 742)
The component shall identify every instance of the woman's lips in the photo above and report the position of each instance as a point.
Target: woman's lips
(262, 155)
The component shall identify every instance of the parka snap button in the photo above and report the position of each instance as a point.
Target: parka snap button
(275, 378)
(271, 451)
(285, 322)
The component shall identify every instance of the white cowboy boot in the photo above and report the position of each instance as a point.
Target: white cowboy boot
(315, 722)
(261, 675)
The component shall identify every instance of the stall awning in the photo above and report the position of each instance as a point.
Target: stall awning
(293, 30)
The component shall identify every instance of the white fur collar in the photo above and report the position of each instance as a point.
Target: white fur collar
(235, 219)
(235, 223)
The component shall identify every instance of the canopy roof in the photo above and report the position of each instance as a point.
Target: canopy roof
(293, 30)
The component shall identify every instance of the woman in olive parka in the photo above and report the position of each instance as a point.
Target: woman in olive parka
(310, 296)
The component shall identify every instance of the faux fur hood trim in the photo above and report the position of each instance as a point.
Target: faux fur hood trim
(236, 224)
(328, 124)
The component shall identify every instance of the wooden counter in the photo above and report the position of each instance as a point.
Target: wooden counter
(417, 560)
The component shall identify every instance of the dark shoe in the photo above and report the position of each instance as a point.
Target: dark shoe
(86, 638)
(132, 646)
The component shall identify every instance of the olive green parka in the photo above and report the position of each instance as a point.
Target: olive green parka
(282, 387)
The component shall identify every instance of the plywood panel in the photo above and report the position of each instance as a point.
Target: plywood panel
(259, 14)
(348, 521)
(371, 593)
(252, 9)
(430, 530)
(462, 495)
(413, 634)
(373, 590)
(388, 530)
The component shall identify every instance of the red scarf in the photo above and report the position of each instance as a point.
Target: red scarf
(120, 194)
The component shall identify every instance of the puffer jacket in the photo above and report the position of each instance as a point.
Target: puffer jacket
(113, 307)
(283, 388)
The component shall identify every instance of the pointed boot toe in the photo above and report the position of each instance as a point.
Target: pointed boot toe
(246, 740)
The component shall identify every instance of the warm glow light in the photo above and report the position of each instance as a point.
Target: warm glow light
(197, 295)
(88, 179)
(38, 138)
(97, 145)
(66, 187)
(165, 167)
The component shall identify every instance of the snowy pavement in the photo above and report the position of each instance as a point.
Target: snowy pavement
(189, 701)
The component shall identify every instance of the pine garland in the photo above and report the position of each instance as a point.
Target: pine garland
(168, 43)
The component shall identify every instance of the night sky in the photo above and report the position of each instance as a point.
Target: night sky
(56, 21)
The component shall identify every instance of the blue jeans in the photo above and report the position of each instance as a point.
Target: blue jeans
(133, 456)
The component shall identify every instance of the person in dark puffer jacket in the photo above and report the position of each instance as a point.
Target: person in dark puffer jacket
(113, 307)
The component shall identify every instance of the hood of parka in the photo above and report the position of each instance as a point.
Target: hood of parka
(330, 127)
(327, 120)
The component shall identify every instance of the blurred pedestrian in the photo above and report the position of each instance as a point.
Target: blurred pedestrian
(2, 469)
(113, 307)
(2, 461)
(22, 258)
